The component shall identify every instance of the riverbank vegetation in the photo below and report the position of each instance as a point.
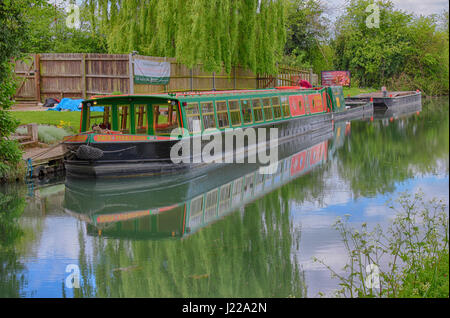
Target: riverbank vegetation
(404, 51)
(407, 259)
(12, 38)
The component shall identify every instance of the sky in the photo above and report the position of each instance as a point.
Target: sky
(424, 7)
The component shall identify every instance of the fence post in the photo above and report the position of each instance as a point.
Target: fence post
(191, 80)
(131, 73)
(32, 130)
(214, 81)
(83, 76)
(37, 76)
(311, 76)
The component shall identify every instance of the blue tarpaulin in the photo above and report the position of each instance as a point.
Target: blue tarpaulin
(73, 105)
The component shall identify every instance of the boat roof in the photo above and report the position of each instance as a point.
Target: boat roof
(204, 94)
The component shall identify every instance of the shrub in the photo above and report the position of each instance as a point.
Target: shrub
(411, 255)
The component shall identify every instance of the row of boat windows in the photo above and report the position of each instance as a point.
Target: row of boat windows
(235, 113)
(206, 207)
(221, 200)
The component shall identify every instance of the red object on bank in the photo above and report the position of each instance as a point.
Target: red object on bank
(304, 84)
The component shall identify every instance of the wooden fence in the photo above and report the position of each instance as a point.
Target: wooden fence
(79, 75)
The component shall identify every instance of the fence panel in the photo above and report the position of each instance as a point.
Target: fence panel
(82, 75)
(25, 71)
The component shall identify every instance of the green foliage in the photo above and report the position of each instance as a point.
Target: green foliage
(307, 36)
(430, 280)
(209, 32)
(410, 253)
(12, 38)
(427, 64)
(405, 52)
(49, 33)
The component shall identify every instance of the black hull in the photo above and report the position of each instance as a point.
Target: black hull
(132, 159)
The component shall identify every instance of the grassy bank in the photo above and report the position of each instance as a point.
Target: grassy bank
(353, 91)
(69, 120)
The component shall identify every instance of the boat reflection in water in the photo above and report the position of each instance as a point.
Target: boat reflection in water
(152, 208)
(399, 112)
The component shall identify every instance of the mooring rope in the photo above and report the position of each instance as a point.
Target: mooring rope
(53, 147)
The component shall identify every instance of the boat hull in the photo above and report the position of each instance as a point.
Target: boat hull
(391, 100)
(152, 157)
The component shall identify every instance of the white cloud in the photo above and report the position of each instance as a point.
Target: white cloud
(418, 7)
(422, 7)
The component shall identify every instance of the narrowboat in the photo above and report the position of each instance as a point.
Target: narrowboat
(134, 135)
(141, 208)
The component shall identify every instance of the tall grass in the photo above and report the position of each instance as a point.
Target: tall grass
(47, 134)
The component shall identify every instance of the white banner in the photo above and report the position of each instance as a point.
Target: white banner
(151, 72)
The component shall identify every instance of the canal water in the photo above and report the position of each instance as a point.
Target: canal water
(232, 232)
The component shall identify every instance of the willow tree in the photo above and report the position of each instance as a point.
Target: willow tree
(215, 33)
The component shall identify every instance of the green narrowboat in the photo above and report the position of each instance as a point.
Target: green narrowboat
(133, 134)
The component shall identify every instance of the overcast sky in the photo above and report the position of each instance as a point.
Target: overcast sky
(425, 7)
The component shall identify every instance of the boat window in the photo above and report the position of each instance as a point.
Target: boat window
(196, 215)
(267, 109)
(248, 186)
(247, 111)
(308, 108)
(257, 110)
(285, 106)
(237, 190)
(193, 117)
(276, 107)
(141, 119)
(124, 119)
(222, 114)
(225, 198)
(208, 115)
(235, 113)
(259, 182)
(165, 118)
(211, 204)
(102, 120)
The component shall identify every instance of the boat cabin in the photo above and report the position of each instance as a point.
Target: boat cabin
(158, 115)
